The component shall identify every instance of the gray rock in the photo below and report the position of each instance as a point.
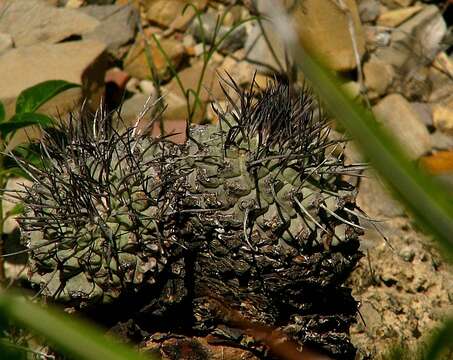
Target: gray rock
(369, 10)
(258, 52)
(118, 24)
(30, 22)
(399, 117)
(234, 41)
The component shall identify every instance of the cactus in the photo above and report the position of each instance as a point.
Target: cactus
(253, 210)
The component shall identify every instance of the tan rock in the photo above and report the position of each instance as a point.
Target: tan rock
(241, 71)
(323, 28)
(443, 117)
(394, 18)
(169, 13)
(400, 118)
(189, 78)
(177, 107)
(30, 22)
(378, 75)
(80, 62)
(136, 62)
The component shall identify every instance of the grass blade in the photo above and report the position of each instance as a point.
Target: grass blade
(68, 334)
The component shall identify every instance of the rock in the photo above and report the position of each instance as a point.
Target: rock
(398, 116)
(376, 200)
(241, 71)
(189, 77)
(416, 85)
(395, 18)
(30, 22)
(136, 63)
(234, 41)
(407, 253)
(369, 10)
(6, 42)
(424, 112)
(438, 163)
(321, 27)
(258, 51)
(132, 107)
(117, 25)
(443, 117)
(441, 141)
(378, 75)
(80, 62)
(147, 87)
(415, 42)
(376, 38)
(371, 317)
(169, 13)
(392, 4)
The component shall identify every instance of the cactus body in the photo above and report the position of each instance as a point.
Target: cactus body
(252, 211)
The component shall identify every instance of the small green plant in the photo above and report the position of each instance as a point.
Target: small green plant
(26, 115)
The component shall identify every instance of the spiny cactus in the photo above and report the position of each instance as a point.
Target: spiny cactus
(253, 210)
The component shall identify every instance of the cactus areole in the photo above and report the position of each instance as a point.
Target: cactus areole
(253, 210)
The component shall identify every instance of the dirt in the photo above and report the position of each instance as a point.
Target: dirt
(404, 286)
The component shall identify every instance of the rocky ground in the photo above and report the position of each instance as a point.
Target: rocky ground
(405, 75)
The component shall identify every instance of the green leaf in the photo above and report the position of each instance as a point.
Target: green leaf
(75, 338)
(2, 112)
(32, 98)
(20, 121)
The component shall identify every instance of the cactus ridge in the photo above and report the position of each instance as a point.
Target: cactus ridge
(253, 209)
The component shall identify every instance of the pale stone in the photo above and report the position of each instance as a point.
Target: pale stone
(399, 117)
(79, 62)
(378, 75)
(147, 87)
(136, 62)
(241, 71)
(443, 117)
(323, 28)
(375, 199)
(189, 77)
(395, 18)
(117, 25)
(169, 13)
(30, 22)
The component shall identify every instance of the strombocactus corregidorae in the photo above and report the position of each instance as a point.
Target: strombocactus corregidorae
(253, 210)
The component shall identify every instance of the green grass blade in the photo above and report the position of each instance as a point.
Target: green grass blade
(2, 112)
(73, 337)
(32, 98)
(441, 340)
(427, 200)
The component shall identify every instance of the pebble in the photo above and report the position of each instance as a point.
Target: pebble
(397, 114)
